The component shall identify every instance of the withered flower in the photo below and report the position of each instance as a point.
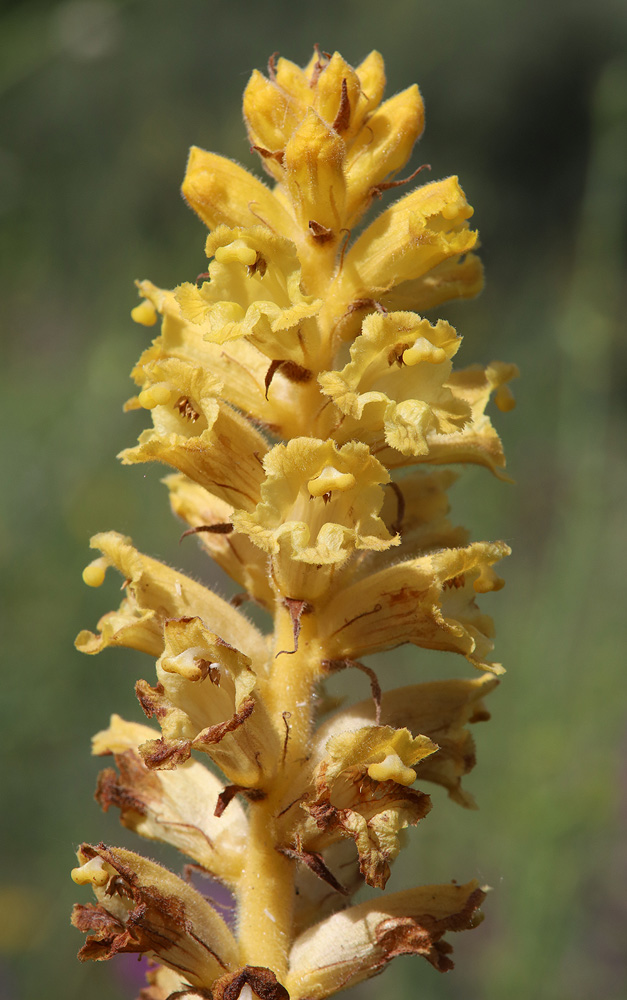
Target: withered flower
(302, 402)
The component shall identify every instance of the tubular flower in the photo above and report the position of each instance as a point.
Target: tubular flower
(305, 407)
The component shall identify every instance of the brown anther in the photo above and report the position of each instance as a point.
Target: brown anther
(320, 233)
(208, 669)
(455, 581)
(396, 355)
(187, 409)
(260, 266)
(203, 276)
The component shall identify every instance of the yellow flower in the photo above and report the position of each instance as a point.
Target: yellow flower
(204, 699)
(396, 382)
(303, 404)
(318, 504)
(253, 291)
(357, 943)
(155, 595)
(144, 908)
(174, 806)
(360, 789)
(198, 434)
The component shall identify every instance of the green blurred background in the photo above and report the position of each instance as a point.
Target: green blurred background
(527, 102)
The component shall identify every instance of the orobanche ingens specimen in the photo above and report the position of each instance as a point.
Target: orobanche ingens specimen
(309, 413)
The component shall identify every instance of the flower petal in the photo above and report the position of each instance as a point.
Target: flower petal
(362, 791)
(413, 236)
(429, 601)
(155, 594)
(205, 699)
(177, 807)
(198, 434)
(357, 943)
(223, 193)
(381, 149)
(238, 366)
(441, 710)
(234, 552)
(396, 383)
(253, 291)
(318, 504)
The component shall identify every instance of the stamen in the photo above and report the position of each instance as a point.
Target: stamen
(186, 409)
(504, 399)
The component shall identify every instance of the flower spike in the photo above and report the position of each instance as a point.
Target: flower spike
(306, 408)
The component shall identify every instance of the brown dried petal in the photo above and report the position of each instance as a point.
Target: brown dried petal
(263, 983)
(357, 943)
(144, 908)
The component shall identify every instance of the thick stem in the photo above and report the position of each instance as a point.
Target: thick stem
(266, 894)
(266, 889)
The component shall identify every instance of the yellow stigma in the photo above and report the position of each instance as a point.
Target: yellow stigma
(330, 479)
(155, 395)
(488, 580)
(145, 313)
(237, 252)
(94, 574)
(504, 399)
(424, 351)
(92, 872)
(392, 769)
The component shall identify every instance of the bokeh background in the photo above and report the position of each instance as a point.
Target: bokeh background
(527, 102)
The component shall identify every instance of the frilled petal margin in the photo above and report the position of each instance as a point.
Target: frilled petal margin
(144, 908)
(357, 943)
(396, 382)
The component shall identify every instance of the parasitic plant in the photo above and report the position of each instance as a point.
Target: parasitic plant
(310, 414)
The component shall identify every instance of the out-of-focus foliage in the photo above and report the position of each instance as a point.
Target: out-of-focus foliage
(99, 102)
